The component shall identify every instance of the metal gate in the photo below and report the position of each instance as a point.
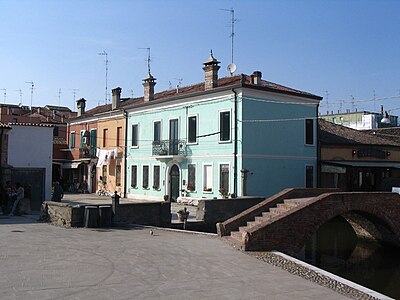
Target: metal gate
(33, 182)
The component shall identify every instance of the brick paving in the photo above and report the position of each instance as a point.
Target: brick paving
(41, 261)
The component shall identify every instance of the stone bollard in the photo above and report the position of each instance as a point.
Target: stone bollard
(91, 217)
(105, 215)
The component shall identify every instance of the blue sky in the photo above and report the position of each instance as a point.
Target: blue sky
(346, 47)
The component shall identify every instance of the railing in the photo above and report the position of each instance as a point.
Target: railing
(87, 152)
(169, 147)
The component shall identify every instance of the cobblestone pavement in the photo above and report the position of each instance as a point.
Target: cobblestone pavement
(41, 261)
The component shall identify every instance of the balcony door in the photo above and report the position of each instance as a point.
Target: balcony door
(173, 137)
(174, 182)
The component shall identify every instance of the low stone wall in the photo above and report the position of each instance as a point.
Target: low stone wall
(149, 213)
(62, 214)
(212, 211)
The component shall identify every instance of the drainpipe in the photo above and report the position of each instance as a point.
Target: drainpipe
(318, 145)
(1, 157)
(235, 147)
(125, 152)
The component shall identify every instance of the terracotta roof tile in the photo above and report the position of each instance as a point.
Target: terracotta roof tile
(334, 134)
(237, 80)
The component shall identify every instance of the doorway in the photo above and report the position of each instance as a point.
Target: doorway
(174, 182)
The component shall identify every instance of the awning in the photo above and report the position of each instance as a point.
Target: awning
(71, 165)
(365, 164)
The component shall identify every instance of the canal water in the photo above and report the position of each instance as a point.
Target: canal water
(336, 249)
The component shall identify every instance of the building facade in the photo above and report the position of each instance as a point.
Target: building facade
(236, 136)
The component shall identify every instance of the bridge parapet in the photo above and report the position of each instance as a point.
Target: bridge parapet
(288, 232)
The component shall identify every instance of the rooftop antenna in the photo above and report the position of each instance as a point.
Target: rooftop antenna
(352, 102)
(32, 87)
(232, 35)
(106, 62)
(20, 95)
(74, 92)
(374, 100)
(5, 95)
(132, 94)
(170, 85)
(148, 59)
(59, 96)
(326, 98)
(179, 84)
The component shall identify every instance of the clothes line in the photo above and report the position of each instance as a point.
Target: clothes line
(105, 156)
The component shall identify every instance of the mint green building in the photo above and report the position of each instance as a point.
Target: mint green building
(233, 136)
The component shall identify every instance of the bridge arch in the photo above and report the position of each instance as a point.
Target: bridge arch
(290, 232)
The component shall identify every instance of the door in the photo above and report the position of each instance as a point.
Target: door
(33, 182)
(173, 137)
(174, 182)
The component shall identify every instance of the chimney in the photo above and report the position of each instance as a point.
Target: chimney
(211, 72)
(149, 84)
(256, 76)
(81, 103)
(116, 98)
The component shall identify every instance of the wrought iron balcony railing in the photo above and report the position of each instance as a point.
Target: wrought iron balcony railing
(169, 147)
(87, 152)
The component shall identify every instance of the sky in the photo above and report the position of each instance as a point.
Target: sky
(339, 50)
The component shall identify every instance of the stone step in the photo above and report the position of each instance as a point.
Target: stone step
(243, 229)
(298, 200)
(251, 224)
(237, 235)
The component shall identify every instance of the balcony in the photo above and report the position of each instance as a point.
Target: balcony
(169, 149)
(87, 152)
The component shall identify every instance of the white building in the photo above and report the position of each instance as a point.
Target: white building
(30, 153)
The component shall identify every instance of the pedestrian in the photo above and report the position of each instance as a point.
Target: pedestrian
(20, 194)
(58, 192)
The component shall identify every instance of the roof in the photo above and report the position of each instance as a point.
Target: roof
(388, 133)
(4, 125)
(59, 108)
(334, 134)
(31, 124)
(236, 81)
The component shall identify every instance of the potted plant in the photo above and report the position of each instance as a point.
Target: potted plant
(224, 193)
(182, 214)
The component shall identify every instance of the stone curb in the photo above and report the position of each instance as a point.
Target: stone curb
(175, 230)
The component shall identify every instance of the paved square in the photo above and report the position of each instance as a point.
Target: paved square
(41, 261)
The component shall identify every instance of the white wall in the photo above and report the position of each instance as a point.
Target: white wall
(32, 147)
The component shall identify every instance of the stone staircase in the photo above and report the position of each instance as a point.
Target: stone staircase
(274, 213)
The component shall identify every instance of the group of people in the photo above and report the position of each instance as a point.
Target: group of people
(12, 196)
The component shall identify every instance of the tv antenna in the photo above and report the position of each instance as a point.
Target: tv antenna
(32, 87)
(5, 95)
(327, 102)
(148, 59)
(20, 95)
(232, 35)
(74, 92)
(59, 96)
(352, 102)
(106, 62)
(132, 93)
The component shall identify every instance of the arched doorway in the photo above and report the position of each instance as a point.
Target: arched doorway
(174, 182)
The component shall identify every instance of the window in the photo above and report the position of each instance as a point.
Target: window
(55, 133)
(224, 178)
(119, 136)
(118, 175)
(192, 129)
(104, 174)
(225, 126)
(157, 132)
(105, 133)
(207, 178)
(309, 176)
(83, 140)
(309, 131)
(72, 140)
(93, 142)
(145, 181)
(191, 185)
(134, 176)
(156, 177)
(135, 135)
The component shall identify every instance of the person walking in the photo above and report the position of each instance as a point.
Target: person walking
(19, 196)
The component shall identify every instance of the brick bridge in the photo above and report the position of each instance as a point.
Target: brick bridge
(285, 221)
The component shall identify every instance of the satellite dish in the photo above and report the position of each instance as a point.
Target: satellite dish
(231, 68)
